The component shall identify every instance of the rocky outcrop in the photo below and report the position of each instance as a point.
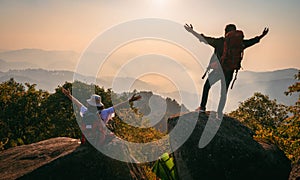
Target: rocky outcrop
(60, 158)
(231, 154)
(84, 163)
(17, 161)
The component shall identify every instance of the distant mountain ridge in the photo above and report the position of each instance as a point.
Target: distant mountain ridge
(38, 58)
(49, 79)
(271, 83)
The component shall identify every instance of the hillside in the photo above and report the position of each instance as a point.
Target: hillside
(232, 154)
(272, 83)
(49, 79)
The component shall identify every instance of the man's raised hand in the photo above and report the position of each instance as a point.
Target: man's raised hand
(189, 28)
(66, 92)
(135, 98)
(265, 32)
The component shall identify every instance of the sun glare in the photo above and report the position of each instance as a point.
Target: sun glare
(159, 2)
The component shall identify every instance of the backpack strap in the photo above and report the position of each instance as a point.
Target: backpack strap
(99, 132)
(206, 72)
(235, 77)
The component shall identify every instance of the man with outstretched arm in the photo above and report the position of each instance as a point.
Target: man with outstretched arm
(95, 101)
(95, 105)
(216, 74)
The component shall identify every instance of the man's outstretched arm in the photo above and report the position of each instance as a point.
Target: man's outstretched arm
(265, 32)
(73, 99)
(132, 99)
(190, 29)
(202, 38)
(250, 42)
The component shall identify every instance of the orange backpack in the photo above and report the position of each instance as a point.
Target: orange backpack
(232, 51)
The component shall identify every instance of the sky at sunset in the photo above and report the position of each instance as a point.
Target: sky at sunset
(73, 24)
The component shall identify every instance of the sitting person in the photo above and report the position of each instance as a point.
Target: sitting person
(92, 113)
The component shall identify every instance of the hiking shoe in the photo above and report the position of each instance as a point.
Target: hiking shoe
(200, 110)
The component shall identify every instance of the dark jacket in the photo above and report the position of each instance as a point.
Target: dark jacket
(218, 43)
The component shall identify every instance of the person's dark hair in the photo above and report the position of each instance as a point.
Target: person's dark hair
(230, 27)
(94, 108)
(99, 108)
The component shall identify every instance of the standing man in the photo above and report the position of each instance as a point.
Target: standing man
(219, 67)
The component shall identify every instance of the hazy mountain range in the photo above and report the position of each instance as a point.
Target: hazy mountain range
(36, 67)
(37, 58)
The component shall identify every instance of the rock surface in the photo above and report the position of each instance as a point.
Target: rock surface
(17, 161)
(231, 154)
(60, 158)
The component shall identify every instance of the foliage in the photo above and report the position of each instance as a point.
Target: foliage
(272, 121)
(29, 115)
(21, 113)
(291, 127)
(259, 112)
(135, 134)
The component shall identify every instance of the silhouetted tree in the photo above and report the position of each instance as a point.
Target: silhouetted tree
(21, 113)
(259, 112)
(272, 121)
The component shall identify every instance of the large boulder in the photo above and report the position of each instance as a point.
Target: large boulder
(18, 161)
(60, 158)
(85, 162)
(231, 154)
